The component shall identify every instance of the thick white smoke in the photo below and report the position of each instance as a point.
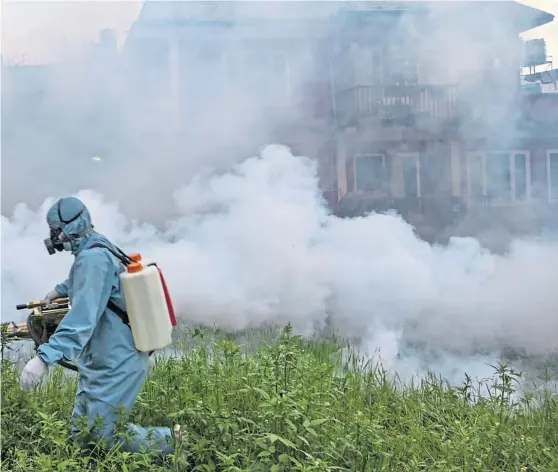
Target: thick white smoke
(257, 245)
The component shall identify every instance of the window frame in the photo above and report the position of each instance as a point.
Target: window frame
(366, 154)
(416, 156)
(549, 152)
(511, 158)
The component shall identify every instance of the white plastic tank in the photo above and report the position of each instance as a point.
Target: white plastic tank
(147, 307)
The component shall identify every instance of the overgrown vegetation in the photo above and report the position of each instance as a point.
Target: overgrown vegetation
(291, 405)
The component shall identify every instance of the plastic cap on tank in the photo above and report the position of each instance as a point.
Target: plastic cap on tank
(136, 257)
(135, 267)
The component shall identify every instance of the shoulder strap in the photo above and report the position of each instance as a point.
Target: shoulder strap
(119, 312)
(118, 253)
(111, 305)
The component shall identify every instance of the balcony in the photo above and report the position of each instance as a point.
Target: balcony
(394, 102)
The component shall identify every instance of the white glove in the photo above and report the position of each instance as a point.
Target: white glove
(51, 296)
(32, 373)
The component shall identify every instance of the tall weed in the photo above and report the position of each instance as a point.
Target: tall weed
(290, 405)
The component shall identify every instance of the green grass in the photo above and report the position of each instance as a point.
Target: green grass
(285, 404)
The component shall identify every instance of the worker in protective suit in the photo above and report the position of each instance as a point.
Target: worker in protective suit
(111, 370)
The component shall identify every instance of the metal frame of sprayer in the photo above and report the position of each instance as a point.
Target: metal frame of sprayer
(41, 323)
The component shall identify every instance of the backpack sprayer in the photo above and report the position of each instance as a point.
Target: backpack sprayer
(150, 313)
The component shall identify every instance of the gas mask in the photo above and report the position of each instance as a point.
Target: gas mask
(59, 240)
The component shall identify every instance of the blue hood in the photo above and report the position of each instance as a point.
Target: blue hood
(71, 216)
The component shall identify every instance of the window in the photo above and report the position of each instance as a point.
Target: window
(411, 175)
(370, 172)
(400, 66)
(520, 179)
(435, 171)
(499, 177)
(552, 174)
(476, 176)
(261, 74)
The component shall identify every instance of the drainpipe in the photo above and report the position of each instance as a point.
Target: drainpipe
(332, 87)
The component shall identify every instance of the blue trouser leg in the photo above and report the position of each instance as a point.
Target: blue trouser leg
(137, 438)
(141, 438)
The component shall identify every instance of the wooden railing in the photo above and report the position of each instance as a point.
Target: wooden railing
(394, 101)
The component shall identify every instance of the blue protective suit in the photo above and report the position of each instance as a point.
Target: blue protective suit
(111, 370)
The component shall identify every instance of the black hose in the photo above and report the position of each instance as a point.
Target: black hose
(38, 342)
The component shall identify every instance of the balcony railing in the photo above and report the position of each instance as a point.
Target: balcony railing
(394, 101)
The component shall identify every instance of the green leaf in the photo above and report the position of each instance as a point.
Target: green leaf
(291, 425)
(318, 422)
(286, 442)
(263, 393)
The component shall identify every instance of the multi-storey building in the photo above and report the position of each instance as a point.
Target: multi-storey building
(415, 106)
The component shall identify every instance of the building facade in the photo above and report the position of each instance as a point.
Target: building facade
(411, 106)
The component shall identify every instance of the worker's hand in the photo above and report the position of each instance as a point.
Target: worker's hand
(53, 294)
(32, 374)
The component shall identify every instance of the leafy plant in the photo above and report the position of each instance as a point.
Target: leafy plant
(282, 403)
